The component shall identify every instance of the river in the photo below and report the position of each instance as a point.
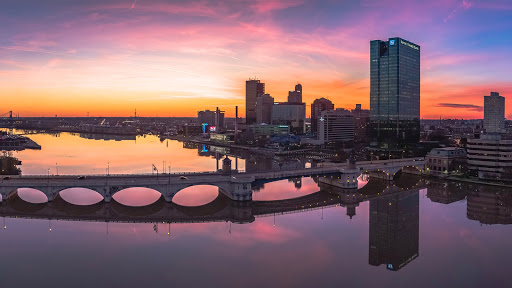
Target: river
(437, 234)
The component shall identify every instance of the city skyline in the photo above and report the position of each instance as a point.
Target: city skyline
(172, 58)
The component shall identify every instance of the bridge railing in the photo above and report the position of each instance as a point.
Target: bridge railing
(114, 175)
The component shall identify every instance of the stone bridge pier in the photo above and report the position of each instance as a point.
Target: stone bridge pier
(346, 180)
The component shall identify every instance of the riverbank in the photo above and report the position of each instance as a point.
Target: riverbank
(476, 181)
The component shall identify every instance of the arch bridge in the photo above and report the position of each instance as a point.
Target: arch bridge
(236, 186)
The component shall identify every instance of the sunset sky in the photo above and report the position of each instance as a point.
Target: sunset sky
(172, 58)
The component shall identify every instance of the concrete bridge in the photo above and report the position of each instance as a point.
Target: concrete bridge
(221, 209)
(236, 186)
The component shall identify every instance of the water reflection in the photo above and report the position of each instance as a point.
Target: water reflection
(196, 195)
(80, 196)
(32, 195)
(137, 196)
(394, 230)
(288, 236)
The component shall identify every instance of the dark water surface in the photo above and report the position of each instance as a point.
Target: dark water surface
(436, 234)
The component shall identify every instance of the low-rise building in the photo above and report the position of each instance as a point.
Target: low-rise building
(490, 157)
(335, 126)
(443, 162)
(222, 138)
(270, 130)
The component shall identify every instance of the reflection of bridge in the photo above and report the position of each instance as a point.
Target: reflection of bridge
(236, 186)
(221, 209)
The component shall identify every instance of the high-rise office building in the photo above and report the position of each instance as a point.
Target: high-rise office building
(494, 113)
(264, 104)
(295, 96)
(394, 93)
(253, 88)
(394, 230)
(317, 107)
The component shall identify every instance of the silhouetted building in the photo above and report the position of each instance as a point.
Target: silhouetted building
(264, 105)
(394, 93)
(210, 118)
(494, 113)
(394, 230)
(295, 96)
(336, 126)
(290, 114)
(253, 88)
(361, 124)
(192, 130)
(317, 107)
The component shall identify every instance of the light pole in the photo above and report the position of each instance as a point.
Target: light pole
(57, 168)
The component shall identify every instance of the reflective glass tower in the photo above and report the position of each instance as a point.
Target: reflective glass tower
(394, 93)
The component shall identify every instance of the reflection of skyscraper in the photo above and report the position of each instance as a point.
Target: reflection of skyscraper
(394, 230)
(394, 93)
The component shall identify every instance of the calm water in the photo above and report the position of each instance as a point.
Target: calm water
(427, 243)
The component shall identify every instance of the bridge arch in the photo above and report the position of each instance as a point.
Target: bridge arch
(30, 195)
(196, 195)
(80, 196)
(135, 196)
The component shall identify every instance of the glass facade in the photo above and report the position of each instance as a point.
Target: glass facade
(394, 93)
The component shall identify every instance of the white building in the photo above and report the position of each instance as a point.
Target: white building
(335, 126)
(489, 156)
(494, 113)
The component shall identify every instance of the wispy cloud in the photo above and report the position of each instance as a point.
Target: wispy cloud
(470, 107)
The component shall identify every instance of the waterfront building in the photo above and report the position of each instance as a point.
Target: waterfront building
(296, 95)
(269, 129)
(489, 156)
(290, 114)
(227, 138)
(212, 118)
(264, 105)
(253, 88)
(442, 162)
(317, 107)
(394, 93)
(335, 126)
(394, 230)
(494, 113)
(192, 129)
(361, 124)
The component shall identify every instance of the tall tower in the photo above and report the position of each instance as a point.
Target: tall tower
(296, 95)
(253, 88)
(494, 113)
(394, 93)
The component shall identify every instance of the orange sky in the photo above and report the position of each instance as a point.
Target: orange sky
(173, 58)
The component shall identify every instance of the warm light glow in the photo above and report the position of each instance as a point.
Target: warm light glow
(109, 57)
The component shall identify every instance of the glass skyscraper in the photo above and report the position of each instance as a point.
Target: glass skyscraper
(394, 93)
